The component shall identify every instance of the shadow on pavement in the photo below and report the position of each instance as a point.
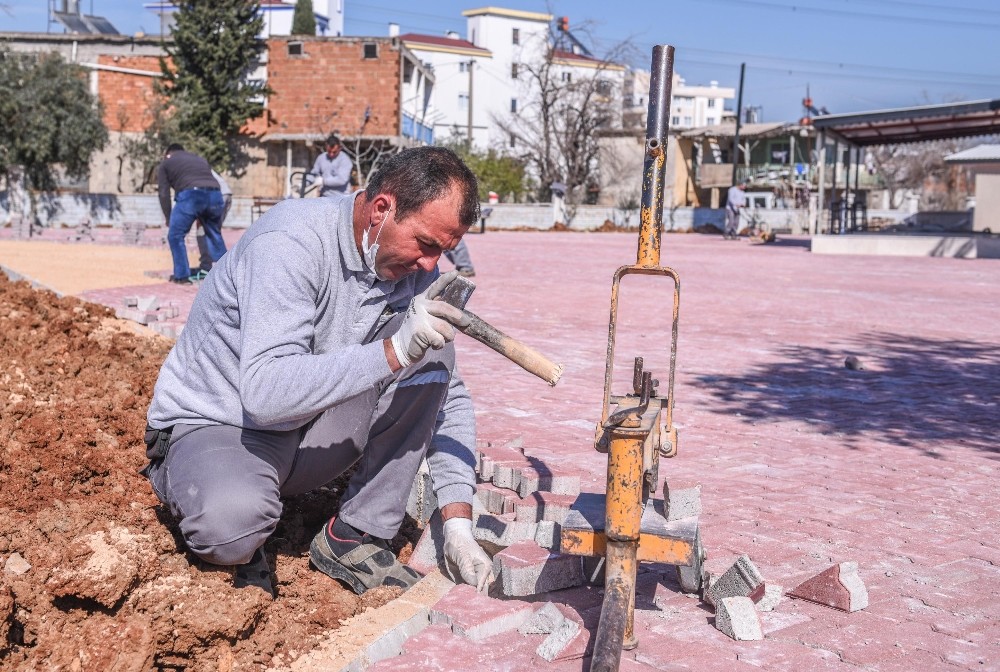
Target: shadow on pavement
(923, 393)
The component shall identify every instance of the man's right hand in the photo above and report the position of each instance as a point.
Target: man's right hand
(428, 323)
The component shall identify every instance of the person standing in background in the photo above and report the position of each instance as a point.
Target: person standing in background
(196, 196)
(333, 169)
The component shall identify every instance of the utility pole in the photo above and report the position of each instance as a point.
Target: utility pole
(739, 120)
(468, 132)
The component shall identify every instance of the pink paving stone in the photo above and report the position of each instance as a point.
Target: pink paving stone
(760, 381)
(525, 568)
(539, 506)
(476, 616)
(541, 477)
(498, 501)
(839, 587)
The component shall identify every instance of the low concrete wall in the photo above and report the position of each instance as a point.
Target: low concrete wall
(71, 209)
(909, 245)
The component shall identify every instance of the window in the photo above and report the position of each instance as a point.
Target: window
(515, 36)
(295, 49)
(370, 50)
(463, 66)
(513, 70)
(513, 105)
(712, 121)
(675, 120)
(463, 101)
(687, 121)
(567, 77)
(513, 141)
(603, 87)
(711, 102)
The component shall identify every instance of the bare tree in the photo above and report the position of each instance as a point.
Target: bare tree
(554, 133)
(921, 167)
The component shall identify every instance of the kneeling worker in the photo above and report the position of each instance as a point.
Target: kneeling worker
(315, 344)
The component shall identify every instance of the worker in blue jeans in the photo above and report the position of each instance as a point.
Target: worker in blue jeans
(196, 196)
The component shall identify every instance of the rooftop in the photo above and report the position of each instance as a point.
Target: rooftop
(977, 154)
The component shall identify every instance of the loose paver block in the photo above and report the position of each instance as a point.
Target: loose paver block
(496, 500)
(539, 506)
(428, 554)
(737, 617)
(772, 596)
(543, 622)
(681, 502)
(525, 568)
(476, 616)
(839, 587)
(535, 478)
(740, 580)
(147, 304)
(560, 638)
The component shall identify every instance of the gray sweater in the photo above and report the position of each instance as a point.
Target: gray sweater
(277, 335)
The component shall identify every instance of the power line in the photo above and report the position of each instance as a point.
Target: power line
(924, 5)
(866, 15)
(839, 75)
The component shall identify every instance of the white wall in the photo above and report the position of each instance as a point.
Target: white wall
(494, 87)
(451, 82)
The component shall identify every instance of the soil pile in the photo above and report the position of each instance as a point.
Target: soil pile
(93, 574)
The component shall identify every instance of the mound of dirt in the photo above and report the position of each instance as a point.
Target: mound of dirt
(93, 573)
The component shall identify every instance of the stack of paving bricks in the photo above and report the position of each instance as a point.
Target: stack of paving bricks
(148, 311)
(518, 509)
(24, 227)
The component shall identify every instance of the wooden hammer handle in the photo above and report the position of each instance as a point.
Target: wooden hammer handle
(524, 356)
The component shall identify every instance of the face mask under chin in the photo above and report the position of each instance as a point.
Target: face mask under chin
(371, 251)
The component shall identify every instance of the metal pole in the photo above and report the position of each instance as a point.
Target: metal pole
(739, 121)
(857, 171)
(468, 134)
(654, 172)
(821, 178)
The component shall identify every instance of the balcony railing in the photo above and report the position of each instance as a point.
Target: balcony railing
(774, 173)
(417, 131)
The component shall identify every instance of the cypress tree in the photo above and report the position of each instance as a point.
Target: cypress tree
(209, 78)
(303, 20)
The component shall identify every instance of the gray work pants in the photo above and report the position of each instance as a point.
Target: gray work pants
(460, 256)
(732, 222)
(225, 483)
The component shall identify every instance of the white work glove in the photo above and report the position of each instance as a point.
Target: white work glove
(461, 548)
(428, 323)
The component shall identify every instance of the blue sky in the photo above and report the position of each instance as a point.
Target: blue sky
(854, 54)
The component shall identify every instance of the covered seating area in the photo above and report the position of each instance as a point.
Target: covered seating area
(843, 209)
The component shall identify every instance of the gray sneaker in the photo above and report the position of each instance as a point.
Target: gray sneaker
(368, 565)
(255, 573)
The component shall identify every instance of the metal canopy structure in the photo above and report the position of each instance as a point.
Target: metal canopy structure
(903, 125)
(914, 124)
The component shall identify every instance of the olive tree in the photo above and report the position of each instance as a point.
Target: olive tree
(50, 124)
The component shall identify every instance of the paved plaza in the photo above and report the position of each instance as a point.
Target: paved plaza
(803, 463)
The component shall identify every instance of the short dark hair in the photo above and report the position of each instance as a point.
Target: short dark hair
(332, 141)
(416, 176)
(175, 147)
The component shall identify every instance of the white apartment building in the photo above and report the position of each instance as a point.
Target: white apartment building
(485, 72)
(456, 64)
(690, 106)
(277, 16)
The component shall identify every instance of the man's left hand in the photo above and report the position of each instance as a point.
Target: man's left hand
(462, 549)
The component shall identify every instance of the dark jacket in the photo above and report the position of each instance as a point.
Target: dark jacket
(182, 170)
